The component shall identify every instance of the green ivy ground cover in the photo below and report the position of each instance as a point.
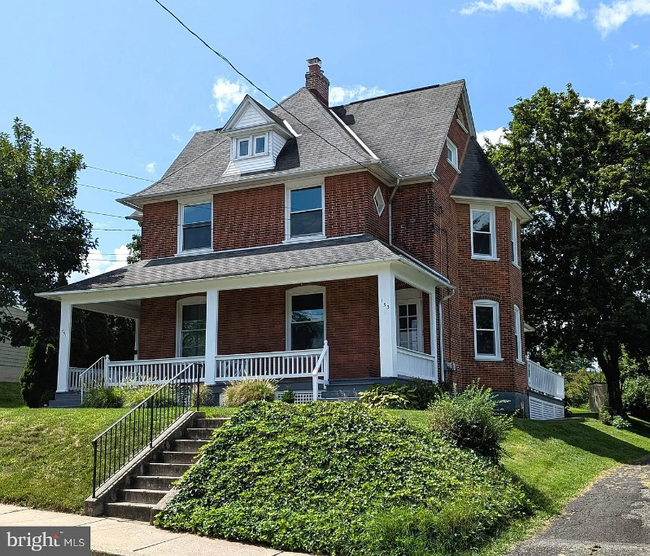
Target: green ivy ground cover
(338, 478)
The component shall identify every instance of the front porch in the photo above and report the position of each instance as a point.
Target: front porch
(354, 326)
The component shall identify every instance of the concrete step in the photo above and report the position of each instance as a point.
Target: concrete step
(188, 445)
(178, 457)
(150, 482)
(129, 510)
(66, 400)
(141, 495)
(214, 423)
(198, 434)
(167, 469)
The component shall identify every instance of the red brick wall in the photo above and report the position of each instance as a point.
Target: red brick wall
(254, 320)
(159, 227)
(248, 218)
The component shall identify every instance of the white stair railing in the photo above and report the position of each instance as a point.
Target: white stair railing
(94, 376)
(322, 368)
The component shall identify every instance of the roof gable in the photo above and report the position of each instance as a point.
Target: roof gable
(251, 114)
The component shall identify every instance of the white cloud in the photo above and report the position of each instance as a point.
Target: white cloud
(228, 94)
(196, 128)
(591, 102)
(633, 46)
(151, 168)
(176, 138)
(548, 8)
(341, 95)
(610, 17)
(495, 136)
(99, 263)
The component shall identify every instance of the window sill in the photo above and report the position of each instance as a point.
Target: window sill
(488, 358)
(190, 252)
(454, 166)
(479, 258)
(520, 362)
(516, 265)
(305, 239)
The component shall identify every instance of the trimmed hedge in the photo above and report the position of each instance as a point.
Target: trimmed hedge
(339, 478)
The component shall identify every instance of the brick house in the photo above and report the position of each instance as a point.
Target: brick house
(329, 247)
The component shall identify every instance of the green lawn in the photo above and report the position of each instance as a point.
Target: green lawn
(10, 395)
(46, 458)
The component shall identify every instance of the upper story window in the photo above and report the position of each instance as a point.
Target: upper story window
(255, 145)
(305, 212)
(483, 234)
(378, 198)
(518, 344)
(486, 330)
(196, 227)
(452, 154)
(514, 244)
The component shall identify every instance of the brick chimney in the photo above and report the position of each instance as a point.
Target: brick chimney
(316, 82)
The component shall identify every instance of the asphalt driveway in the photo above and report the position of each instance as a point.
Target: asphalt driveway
(610, 519)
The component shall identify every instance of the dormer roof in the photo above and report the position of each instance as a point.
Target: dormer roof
(250, 115)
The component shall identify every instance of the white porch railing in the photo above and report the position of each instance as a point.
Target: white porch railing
(416, 364)
(74, 373)
(544, 380)
(150, 371)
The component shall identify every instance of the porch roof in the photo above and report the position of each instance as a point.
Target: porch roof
(240, 262)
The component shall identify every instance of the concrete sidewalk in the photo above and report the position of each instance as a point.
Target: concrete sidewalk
(120, 537)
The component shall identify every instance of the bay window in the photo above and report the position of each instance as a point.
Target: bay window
(486, 330)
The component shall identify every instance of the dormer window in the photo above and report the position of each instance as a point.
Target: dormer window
(251, 146)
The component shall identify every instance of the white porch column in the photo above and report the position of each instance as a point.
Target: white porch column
(433, 330)
(136, 346)
(387, 323)
(211, 331)
(65, 335)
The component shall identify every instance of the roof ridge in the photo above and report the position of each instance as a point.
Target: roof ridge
(436, 86)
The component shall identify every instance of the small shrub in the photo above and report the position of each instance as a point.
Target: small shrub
(205, 395)
(605, 417)
(620, 423)
(249, 390)
(469, 420)
(378, 397)
(288, 396)
(102, 397)
(424, 393)
(636, 396)
(134, 395)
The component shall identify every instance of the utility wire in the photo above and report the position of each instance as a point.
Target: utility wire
(103, 189)
(267, 95)
(120, 173)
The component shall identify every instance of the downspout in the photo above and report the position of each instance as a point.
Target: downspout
(390, 211)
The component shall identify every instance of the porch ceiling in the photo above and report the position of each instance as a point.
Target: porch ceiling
(129, 308)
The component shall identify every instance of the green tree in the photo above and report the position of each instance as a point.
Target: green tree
(582, 169)
(135, 247)
(43, 239)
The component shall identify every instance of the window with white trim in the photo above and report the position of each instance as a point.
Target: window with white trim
(518, 344)
(306, 215)
(253, 145)
(196, 227)
(483, 234)
(452, 154)
(409, 319)
(380, 204)
(305, 318)
(514, 246)
(190, 327)
(486, 330)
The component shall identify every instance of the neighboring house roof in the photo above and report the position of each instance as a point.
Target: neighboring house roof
(240, 262)
(407, 130)
(478, 177)
(203, 161)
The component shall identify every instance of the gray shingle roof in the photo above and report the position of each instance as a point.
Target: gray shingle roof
(225, 264)
(478, 177)
(205, 158)
(407, 131)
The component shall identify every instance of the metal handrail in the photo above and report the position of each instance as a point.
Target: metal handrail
(120, 443)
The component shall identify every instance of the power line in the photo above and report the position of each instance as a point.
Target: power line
(103, 189)
(120, 173)
(267, 95)
(103, 214)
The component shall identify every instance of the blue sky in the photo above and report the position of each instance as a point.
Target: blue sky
(122, 83)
